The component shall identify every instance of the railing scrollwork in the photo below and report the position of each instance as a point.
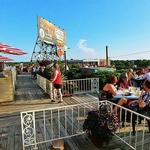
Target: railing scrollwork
(28, 128)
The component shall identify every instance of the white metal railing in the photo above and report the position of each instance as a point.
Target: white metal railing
(70, 87)
(125, 132)
(45, 84)
(79, 86)
(45, 125)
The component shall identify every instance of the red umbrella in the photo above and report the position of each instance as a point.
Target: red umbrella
(4, 46)
(10, 50)
(14, 51)
(2, 58)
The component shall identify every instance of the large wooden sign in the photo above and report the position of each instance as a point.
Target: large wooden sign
(51, 34)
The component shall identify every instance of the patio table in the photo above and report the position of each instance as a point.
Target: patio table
(132, 96)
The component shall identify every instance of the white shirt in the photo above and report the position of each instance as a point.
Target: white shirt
(147, 76)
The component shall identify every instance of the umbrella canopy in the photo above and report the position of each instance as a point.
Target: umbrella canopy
(10, 50)
(4, 45)
(14, 51)
(2, 58)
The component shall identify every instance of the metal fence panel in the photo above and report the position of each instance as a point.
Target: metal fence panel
(46, 125)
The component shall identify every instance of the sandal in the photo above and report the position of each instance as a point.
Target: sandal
(52, 100)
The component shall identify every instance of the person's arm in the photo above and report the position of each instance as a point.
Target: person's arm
(131, 102)
(113, 90)
(142, 104)
(143, 100)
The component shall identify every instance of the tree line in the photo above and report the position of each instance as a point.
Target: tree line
(126, 64)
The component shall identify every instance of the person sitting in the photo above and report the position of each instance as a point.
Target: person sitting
(109, 89)
(130, 75)
(123, 82)
(141, 103)
(147, 75)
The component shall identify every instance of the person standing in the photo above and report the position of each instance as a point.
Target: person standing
(57, 82)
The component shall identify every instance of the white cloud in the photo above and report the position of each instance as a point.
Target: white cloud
(87, 51)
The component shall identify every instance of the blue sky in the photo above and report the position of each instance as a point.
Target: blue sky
(90, 25)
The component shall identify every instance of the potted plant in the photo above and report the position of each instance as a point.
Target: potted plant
(100, 125)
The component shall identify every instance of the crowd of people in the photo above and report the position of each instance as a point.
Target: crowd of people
(41, 70)
(126, 81)
(45, 71)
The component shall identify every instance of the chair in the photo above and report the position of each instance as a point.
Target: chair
(103, 95)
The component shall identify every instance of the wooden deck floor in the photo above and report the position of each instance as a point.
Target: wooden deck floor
(28, 90)
(10, 138)
(28, 97)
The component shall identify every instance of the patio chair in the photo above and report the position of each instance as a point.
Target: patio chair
(102, 95)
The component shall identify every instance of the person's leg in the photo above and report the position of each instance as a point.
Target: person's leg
(60, 95)
(121, 102)
(54, 94)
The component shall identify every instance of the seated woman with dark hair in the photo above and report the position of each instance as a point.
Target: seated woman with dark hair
(123, 82)
(139, 104)
(109, 89)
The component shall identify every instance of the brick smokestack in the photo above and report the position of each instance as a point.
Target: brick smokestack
(107, 56)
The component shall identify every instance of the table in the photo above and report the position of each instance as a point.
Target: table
(132, 96)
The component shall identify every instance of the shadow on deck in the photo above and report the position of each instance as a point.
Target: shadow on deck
(27, 89)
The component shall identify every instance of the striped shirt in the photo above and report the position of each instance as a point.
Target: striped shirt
(146, 97)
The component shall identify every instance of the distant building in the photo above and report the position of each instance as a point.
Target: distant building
(91, 62)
